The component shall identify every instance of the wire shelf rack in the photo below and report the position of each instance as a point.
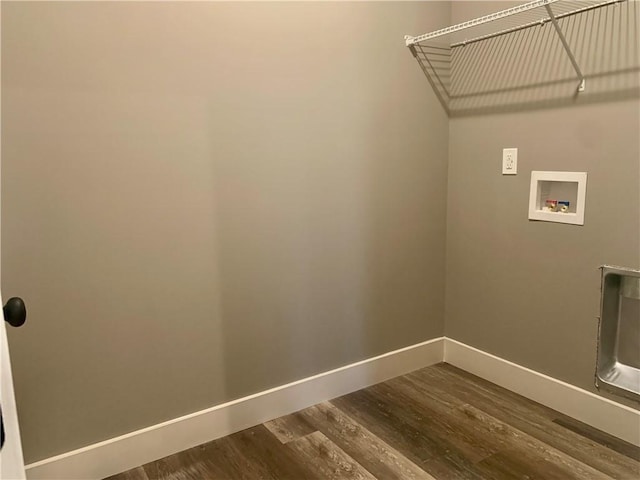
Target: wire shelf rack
(461, 60)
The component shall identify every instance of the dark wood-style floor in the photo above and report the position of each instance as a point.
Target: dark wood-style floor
(439, 422)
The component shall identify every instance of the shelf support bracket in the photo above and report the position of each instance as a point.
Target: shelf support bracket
(567, 48)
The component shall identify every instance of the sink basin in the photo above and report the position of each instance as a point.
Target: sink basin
(618, 364)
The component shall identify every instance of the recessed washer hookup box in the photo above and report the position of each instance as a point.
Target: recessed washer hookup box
(618, 364)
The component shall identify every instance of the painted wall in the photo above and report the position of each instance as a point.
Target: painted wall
(529, 291)
(205, 200)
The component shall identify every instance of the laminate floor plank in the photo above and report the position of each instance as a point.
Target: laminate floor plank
(413, 435)
(530, 417)
(470, 389)
(603, 438)
(462, 436)
(439, 423)
(210, 460)
(290, 427)
(377, 456)
(531, 453)
(134, 474)
(510, 465)
(527, 416)
(265, 457)
(327, 459)
(481, 435)
(486, 433)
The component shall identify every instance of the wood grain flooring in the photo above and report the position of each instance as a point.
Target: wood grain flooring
(436, 423)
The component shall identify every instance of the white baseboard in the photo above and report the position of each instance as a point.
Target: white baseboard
(599, 412)
(137, 448)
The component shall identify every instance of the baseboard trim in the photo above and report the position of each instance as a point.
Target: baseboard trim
(128, 451)
(599, 412)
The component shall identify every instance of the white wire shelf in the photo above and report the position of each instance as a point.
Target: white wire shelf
(509, 20)
(437, 52)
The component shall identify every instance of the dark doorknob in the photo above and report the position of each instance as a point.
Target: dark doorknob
(15, 312)
(1, 430)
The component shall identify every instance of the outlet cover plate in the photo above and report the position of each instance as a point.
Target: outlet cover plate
(510, 161)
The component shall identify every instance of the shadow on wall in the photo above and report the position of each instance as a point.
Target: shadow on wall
(529, 69)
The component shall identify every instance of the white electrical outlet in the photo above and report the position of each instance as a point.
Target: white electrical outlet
(509, 161)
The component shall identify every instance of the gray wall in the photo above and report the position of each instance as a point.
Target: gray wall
(529, 291)
(204, 200)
